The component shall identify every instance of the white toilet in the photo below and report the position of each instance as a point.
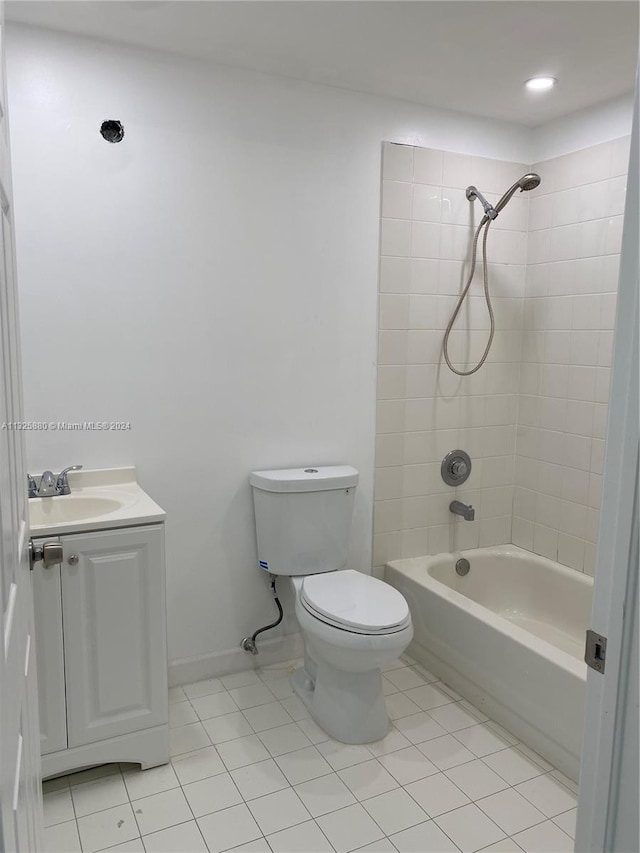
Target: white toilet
(352, 623)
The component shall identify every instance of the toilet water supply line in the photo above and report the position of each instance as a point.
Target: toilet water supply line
(248, 644)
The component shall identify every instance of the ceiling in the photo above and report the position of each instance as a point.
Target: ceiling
(472, 57)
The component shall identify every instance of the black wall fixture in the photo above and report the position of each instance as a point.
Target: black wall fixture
(112, 130)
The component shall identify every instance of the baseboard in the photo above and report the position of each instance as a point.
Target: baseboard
(213, 664)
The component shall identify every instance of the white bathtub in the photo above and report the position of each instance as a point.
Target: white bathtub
(509, 636)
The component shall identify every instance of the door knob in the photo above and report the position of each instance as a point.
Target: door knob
(50, 553)
(73, 560)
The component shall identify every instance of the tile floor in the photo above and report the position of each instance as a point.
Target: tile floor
(250, 771)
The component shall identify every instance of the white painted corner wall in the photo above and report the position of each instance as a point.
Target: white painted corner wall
(582, 129)
(213, 280)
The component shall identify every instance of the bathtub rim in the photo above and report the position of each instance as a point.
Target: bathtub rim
(409, 567)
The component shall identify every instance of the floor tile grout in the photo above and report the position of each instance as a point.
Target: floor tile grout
(335, 770)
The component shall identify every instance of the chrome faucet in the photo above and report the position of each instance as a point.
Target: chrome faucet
(50, 485)
(62, 484)
(465, 510)
(47, 485)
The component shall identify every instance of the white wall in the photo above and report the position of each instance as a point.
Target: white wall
(582, 129)
(212, 279)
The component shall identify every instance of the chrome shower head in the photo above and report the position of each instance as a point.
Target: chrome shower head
(527, 182)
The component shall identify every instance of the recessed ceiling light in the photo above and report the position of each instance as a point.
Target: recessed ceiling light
(541, 84)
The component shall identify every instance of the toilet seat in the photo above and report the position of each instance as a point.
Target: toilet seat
(339, 626)
(354, 602)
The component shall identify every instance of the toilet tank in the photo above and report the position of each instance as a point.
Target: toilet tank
(303, 518)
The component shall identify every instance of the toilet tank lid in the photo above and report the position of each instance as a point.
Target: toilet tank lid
(309, 479)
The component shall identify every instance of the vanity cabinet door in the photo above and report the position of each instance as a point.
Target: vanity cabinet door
(113, 593)
(47, 605)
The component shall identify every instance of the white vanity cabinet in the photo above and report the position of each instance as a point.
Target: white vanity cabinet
(101, 649)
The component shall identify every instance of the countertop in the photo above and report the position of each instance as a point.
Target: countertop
(111, 496)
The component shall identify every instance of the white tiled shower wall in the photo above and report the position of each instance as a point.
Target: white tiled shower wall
(424, 410)
(575, 228)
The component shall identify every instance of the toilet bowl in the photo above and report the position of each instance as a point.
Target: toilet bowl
(352, 624)
(345, 647)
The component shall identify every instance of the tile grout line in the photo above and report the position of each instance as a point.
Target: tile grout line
(229, 772)
(335, 771)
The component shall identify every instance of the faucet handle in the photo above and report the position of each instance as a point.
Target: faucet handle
(31, 485)
(62, 484)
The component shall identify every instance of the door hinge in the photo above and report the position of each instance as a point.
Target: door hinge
(595, 651)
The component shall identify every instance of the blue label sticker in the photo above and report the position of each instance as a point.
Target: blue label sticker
(263, 564)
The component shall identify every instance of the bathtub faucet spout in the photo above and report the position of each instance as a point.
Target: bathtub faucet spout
(465, 510)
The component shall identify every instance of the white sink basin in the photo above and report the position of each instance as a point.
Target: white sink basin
(57, 510)
(99, 500)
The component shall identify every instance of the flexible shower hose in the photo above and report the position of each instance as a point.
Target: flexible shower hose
(485, 223)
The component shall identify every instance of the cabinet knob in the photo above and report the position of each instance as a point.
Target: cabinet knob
(73, 560)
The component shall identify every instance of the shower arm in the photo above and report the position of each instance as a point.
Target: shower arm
(489, 211)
